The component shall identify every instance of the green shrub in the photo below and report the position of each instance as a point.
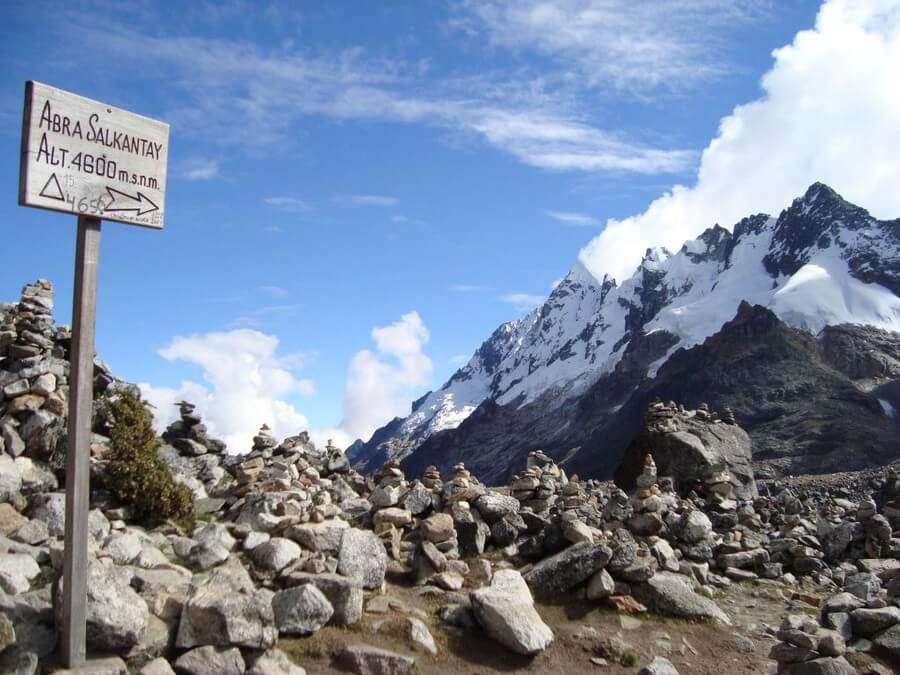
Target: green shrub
(135, 472)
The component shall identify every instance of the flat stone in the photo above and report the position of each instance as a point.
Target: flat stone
(324, 537)
(274, 662)
(344, 594)
(437, 528)
(601, 586)
(659, 666)
(392, 516)
(209, 660)
(362, 557)
(224, 608)
(10, 519)
(670, 593)
(112, 665)
(867, 622)
(493, 506)
(889, 641)
(123, 548)
(301, 610)
(420, 636)
(821, 666)
(565, 570)
(506, 612)
(366, 660)
(276, 554)
(158, 666)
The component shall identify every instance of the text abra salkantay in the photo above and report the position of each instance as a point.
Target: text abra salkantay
(94, 133)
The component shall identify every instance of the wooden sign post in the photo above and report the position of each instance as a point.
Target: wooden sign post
(84, 157)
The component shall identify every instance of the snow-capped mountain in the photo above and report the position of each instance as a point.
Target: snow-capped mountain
(822, 262)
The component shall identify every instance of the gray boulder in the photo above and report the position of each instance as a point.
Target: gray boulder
(568, 568)
(694, 451)
(224, 608)
(209, 660)
(362, 557)
(158, 666)
(506, 612)
(276, 554)
(659, 666)
(365, 660)
(117, 617)
(867, 622)
(274, 662)
(344, 594)
(301, 610)
(494, 506)
(670, 593)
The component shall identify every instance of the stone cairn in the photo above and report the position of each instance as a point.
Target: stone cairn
(189, 434)
(33, 376)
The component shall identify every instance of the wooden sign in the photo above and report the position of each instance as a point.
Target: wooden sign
(100, 163)
(90, 159)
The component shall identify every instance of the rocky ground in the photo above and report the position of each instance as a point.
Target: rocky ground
(294, 563)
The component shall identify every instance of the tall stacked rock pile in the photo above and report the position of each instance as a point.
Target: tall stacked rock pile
(689, 445)
(189, 435)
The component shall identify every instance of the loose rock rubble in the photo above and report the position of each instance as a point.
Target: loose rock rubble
(290, 540)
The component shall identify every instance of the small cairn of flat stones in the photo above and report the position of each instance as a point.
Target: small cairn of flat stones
(662, 417)
(806, 647)
(647, 503)
(189, 434)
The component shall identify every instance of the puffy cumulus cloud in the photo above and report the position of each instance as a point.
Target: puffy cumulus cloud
(381, 383)
(830, 112)
(246, 384)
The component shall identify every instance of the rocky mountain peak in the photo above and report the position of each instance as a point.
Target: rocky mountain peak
(822, 262)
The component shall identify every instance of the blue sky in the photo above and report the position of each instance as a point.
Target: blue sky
(336, 167)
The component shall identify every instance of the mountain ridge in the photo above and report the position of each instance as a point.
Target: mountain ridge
(822, 262)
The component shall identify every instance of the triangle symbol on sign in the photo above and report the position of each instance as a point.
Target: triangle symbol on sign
(52, 190)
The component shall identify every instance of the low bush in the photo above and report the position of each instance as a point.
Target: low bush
(135, 472)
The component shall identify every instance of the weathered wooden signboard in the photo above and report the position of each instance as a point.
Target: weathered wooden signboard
(87, 158)
(99, 163)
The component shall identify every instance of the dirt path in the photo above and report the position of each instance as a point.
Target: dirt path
(694, 648)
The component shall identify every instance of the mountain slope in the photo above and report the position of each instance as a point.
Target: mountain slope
(565, 370)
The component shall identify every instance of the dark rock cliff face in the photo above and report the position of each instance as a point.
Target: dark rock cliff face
(803, 414)
(690, 446)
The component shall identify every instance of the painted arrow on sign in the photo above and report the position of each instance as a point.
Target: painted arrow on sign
(125, 202)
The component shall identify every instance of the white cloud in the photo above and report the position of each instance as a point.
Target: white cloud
(830, 112)
(273, 291)
(238, 93)
(273, 229)
(524, 302)
(571, 218)
(246, 384)
(201, 169)
(635, 46)
(365, 200)
(381, 383)
(288, 204)
(458, 360)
